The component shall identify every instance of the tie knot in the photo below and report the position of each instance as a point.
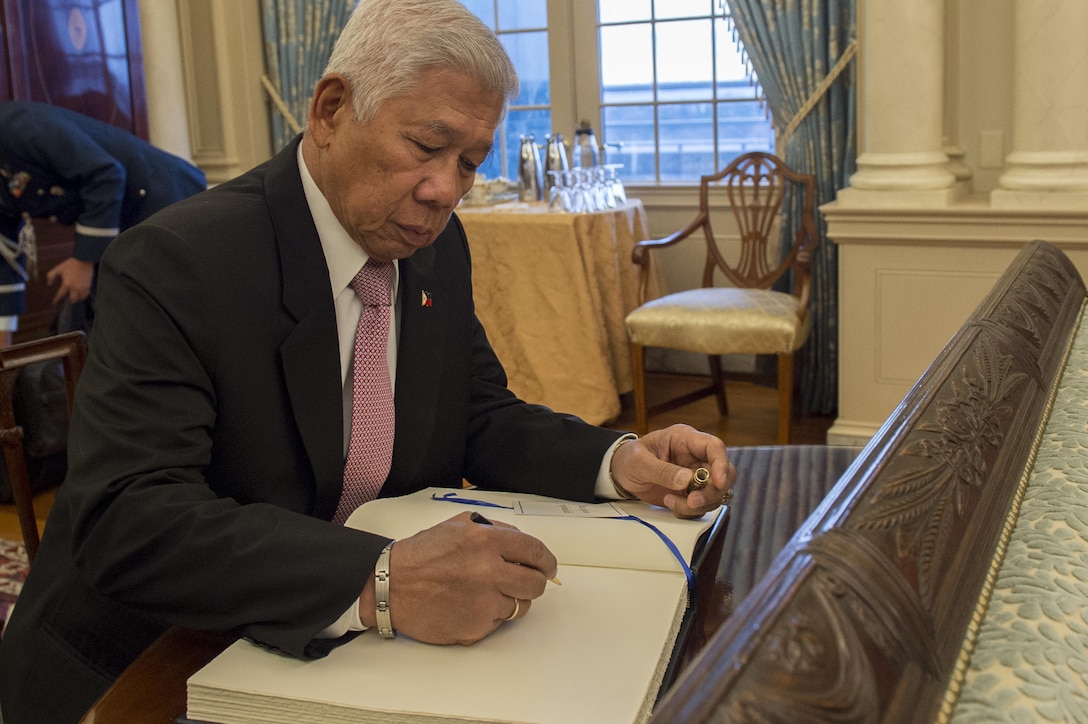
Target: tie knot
(373, 283)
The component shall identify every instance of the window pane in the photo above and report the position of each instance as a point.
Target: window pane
(686, 141)
(627, 67)
(730, 64)
(742, 127)
(683, 8)
(685, 60)
(483, 9)
(523, 14)
(629, 139)
(529, 51)
(619, 11)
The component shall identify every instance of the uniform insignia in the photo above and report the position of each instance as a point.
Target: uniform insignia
(18, 183)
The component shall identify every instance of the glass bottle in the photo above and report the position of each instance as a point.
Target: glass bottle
(585, 153)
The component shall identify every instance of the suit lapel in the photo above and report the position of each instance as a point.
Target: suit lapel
(419, 353)
(310, 354)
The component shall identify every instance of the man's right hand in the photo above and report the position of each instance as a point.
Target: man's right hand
(75, 277)
(457, 582)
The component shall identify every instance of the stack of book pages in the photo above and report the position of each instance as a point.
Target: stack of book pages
(593, 649)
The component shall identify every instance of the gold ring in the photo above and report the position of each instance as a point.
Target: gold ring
(727, 497)
(517, 608)
(700, 479)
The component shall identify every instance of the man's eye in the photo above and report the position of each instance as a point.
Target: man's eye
(469, 165)
(425, 148)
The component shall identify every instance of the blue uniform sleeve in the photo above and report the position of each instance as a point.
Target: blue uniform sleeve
(98, 177)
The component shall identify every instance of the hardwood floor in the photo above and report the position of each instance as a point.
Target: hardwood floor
(9, 521)
(752, 420)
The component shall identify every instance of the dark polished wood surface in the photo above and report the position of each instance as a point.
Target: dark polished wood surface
(867, 613)
(153, 690)
(777, 488)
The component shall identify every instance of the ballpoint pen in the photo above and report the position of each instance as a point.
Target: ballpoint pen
(477, 518)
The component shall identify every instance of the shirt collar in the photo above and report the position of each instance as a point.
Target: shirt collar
(343, 256)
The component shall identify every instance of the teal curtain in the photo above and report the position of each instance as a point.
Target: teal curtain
(794, 46)
(298, 38)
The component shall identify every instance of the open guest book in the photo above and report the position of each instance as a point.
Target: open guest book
(595, 648)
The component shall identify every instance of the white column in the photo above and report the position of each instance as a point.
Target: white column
(1048, 166)
(951, 144)
(168, 127)
(902, 160)
(223, 55)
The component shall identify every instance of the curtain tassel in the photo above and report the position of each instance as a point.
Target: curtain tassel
(281, 105)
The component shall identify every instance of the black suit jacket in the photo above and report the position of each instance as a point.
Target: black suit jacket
(206, 445)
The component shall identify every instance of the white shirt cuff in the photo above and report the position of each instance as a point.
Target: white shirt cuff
(604, 488)
(349, 621)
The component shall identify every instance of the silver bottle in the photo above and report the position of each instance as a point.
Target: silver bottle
(555, 158)
(530, 174)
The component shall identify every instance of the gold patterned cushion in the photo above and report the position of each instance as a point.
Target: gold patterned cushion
(720, 320)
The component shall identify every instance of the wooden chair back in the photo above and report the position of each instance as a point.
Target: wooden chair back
(71, 349)
(760, 188)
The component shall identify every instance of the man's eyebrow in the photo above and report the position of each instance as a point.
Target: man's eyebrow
(439, 127)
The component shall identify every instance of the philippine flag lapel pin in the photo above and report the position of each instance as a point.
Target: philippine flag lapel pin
(425, 300)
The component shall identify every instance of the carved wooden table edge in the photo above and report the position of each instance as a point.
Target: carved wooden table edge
(864, 613)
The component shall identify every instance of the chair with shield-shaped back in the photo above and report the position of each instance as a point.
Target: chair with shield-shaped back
(762, 308)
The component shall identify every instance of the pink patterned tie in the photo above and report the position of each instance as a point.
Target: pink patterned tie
(372, 412)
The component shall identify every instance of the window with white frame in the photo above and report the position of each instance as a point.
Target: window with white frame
(663, 83)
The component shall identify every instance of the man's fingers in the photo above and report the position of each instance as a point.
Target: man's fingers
(518, 609)
(460, 580)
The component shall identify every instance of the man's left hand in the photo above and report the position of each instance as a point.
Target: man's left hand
(659, 469)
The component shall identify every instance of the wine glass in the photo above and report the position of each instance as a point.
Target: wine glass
(617, 185)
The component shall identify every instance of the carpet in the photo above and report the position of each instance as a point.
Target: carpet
(13, 569)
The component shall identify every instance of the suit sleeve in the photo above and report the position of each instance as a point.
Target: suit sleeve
(154, 528)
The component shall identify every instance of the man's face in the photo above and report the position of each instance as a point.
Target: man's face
(394, 181)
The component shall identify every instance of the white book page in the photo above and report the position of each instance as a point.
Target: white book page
(575, 540)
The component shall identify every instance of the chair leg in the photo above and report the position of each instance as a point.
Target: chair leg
(638, 372)
(785, 397)
(718, 381)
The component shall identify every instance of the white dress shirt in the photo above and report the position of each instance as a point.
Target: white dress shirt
(345, 258)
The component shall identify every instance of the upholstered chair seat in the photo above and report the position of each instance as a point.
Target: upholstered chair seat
(721, 320)
(745, 312)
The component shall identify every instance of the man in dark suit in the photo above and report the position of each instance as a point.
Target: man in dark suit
(57, 163)
(207, 452)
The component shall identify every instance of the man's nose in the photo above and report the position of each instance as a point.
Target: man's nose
(443, 187)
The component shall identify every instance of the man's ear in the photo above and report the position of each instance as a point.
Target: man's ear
(330, 105)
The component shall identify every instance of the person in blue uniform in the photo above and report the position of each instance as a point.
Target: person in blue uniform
(57, 163)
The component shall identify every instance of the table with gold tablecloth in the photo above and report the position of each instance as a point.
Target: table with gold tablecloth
(552, 290)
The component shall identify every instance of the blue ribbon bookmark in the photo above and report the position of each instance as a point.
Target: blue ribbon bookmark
(672, 547)
(455, 498)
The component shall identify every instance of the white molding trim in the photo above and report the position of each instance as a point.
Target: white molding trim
(223, 60)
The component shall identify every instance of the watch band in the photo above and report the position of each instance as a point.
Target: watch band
(620, 490)
(381, 594)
